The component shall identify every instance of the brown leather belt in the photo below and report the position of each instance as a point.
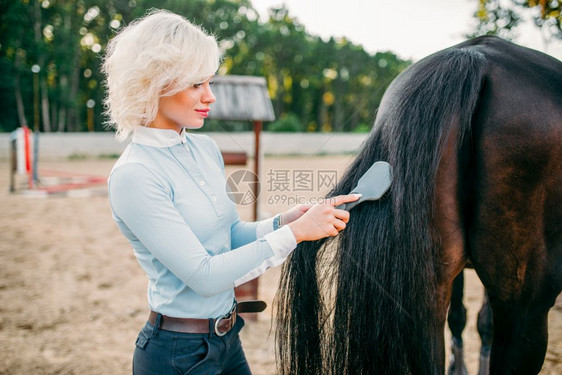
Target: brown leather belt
(219, 326)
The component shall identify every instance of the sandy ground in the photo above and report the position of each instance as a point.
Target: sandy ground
(74, 297)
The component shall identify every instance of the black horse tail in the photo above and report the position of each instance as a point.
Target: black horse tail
(365, 301)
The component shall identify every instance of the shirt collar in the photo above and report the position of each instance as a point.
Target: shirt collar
(155, 137)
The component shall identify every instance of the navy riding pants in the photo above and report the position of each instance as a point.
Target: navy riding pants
(161, 352)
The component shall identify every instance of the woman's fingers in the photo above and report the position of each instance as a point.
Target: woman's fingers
(343, 215)
(339, 225)
(323, 219)
(341, 199)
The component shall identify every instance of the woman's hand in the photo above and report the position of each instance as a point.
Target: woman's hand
(323, 219)
(294, 213)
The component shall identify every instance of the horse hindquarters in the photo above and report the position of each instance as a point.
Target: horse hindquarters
(513, 261)
(515, 237)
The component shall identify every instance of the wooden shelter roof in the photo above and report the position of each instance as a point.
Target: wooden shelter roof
(241, 98)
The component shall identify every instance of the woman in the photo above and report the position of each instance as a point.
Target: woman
(167, 194)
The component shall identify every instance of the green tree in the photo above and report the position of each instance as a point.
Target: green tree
(496, 17)
(320, 85)
(16, 49)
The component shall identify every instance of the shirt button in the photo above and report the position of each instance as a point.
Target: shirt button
(202, 183)
(214, 198)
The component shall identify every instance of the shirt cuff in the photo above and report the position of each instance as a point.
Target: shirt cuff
(282, 241)
(258, 271)
(264, 227)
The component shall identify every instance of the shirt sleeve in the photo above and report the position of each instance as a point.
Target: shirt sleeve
(264, 227)
(283, 242)
(143, 204)
(243, 232)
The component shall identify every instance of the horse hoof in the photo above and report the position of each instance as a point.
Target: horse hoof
(484, 368)
(457, 366)
(457, 370)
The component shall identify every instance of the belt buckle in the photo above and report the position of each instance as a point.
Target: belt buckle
(231, 315)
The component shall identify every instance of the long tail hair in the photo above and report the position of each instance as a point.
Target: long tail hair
(364, 302)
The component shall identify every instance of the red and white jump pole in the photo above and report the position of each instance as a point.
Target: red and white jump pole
(22, 157)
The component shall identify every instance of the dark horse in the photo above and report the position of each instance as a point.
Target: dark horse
(474, 135)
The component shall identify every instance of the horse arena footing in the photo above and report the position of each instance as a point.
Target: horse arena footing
(75, 193)
(63, 184)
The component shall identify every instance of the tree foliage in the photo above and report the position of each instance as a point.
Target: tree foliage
(314, 84)
(501, 17)
(321, 85)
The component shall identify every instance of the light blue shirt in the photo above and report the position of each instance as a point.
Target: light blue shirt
(168, 197)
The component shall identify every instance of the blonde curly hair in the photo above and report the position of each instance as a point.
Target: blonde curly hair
(157, 55)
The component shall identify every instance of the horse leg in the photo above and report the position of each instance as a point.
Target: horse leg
(453, 253)
(515, 247)
(457, 321)
(520, 339)
(485, 329)
(522, 280)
